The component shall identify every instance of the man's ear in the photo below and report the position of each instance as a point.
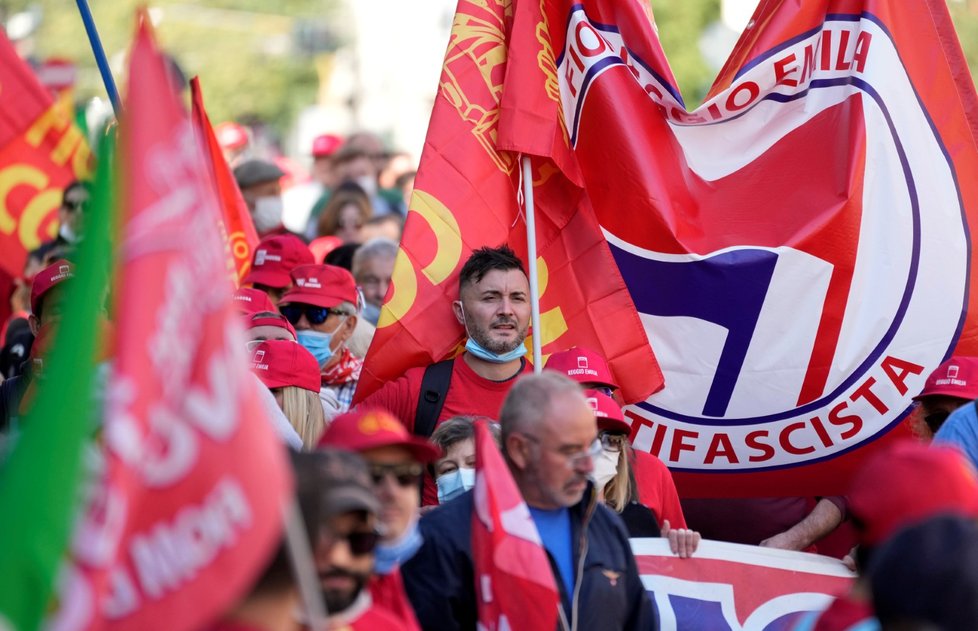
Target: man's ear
(516, 451)
(347, 328)
(34, 323)
(459, 312)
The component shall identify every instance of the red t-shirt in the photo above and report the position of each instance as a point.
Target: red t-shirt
(387, 591)
(468, 393)
(657, 490)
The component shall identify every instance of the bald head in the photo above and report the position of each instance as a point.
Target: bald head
(549, 433)
(530, 401)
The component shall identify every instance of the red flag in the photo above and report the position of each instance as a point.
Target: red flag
(514, 584)
(467, 196)
(798, 246)
(238, 229)
(41, 152)
(188, 504)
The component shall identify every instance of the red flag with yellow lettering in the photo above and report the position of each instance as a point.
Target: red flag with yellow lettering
(41, 152)
(467, 195)
(240, 237)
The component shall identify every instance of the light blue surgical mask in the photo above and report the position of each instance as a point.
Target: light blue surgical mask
(317, 343)
(451, 485)
(486, 355)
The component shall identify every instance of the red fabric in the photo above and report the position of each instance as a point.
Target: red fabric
(249, 301)
(376, 619)
(843, 614)
(343, 371)
(387, 592)
(275, 257)
(513, 579)
(369, 428)
(466, 196)
(232, 625)
(280, 363)
(657, 490)
(52, 275)
(468, 394)
(41, 151)
(239, 230)
(607, 412)
(321, 285)
(957, 377)
(187, 439)
(583, 366)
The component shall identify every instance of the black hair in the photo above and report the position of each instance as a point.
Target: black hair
(73, 186)
(486, 259)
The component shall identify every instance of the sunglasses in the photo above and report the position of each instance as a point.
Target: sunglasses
(612, 441)
(361, 542)
(405, 474)
(315, 315)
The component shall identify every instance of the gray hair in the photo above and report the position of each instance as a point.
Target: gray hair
(529, 401)
(459, 428)
(374, 248)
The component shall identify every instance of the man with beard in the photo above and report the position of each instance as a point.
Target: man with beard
(549, 441)
(494, 308)
(343, 547)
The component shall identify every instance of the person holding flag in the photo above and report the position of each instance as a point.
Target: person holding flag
(550, 438)
(494, 307)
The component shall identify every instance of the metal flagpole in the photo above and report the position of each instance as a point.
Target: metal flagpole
(99, 52)
(531, 250)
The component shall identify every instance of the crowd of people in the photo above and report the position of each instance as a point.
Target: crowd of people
(385, 486)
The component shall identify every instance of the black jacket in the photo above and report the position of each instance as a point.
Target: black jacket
(439, 578)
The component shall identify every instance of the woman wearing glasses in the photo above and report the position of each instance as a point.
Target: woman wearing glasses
(615, 480)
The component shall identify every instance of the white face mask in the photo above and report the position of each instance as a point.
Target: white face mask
(68, 233)
(368, 183)
(268, 213)
(605, 467)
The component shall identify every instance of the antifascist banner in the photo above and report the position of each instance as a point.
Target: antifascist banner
(467, 195)
(41, 152)
(797, 247)
(238, 229)
(187, 503)
(733, 587)
(514, 584)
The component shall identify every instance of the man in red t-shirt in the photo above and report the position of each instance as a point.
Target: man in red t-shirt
(494, 308)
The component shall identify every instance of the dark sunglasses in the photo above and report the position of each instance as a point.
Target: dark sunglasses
(361, 542)
(73, 204)
(405, 474)
(315, 315)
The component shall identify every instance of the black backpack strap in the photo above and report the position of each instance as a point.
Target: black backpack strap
(431, 398)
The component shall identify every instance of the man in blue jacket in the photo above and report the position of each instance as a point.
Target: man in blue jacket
(549, 438)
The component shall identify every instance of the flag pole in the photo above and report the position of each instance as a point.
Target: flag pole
(99, 52)
(303, 569)
(531, 251)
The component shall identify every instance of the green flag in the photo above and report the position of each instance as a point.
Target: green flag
(41, 475)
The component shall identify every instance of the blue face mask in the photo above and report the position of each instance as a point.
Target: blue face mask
(316, 343)
(484, 354)
(453, 484)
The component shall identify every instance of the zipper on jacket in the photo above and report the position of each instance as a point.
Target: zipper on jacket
(579, 579)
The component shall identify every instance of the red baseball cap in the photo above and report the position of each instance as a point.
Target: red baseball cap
(909, 482)
(248, 300)
(325, 145)
(607, 412)
(275, 319)
(275, 258)
(49, 277)
(365, 429)
(957, 377)
(280, 363)
(583, 366)
(231, 135)
(321, 286)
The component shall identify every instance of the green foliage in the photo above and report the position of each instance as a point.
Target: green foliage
(241, 50)
(965, 16)
(680, 23)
